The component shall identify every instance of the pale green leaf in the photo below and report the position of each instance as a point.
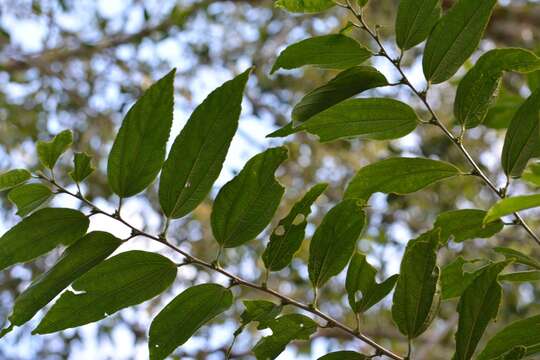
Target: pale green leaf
(39, 233)
(184, 315)
(82, 167)
(124, 280)
(197, 155)
(246, 204)
(521, 276)
(13, 178)
(49, 152)
(334, 241)
(510, 205)
(518, 256)
(29, 197)
(532, 174)
(415, 19)
(139, 148)
(304, 6)
(465, 224)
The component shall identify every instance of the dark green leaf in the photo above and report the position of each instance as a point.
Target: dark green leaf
(246, 204)
(398, 176)
(285, 329)
(329, 51)
(478, 305)
(304, 6)
(49, 152)
(519, 257)
(346, 84)
(465, 224)
(521, 276)
(455, 37)
(76, 260)
(416, 299)
(345, 355)
(290, 231)
(500, 114)
(477, 89)
(415, 19)
(361, 278)
(510, 205)
(40, 233)
(334, 241)
(525, 332)
(197, 155)
(522, 141)
(516, 353)
(13, 178)
(124, 280)
(455, 279)
(82, 167)
(376, 118)
(29, 197)
(184, 315)
(261, 311)
(139, 148)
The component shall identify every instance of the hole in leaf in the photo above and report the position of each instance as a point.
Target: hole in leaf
(299, 219)
(280, 230)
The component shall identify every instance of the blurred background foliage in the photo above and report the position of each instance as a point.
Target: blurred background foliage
(80, 65)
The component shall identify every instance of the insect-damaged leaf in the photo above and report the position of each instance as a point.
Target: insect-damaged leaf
(417, 296)
(415, 19)
(510, 205)
(13, 178)
(285, 329)
(184, 315)
(49, 152)
(455, 37)
(375, 118)
(335, 51)
(304, 6)
(522, 140)
(40, 233)
(82, 167)
(477, 89)
(29, 197)
(76, 260)
(478, 305)
(197, 155)
(361, 278)
(124, 280)
(139, 148)
(465, 224)
(398, 176)
(289, 233)
(334, 241)
(246, 204)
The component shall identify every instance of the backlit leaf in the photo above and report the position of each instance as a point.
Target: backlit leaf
(139, 148)
(465, 224)
(197, 155)
(261, 311)
(13, 178)
(510, 205)
(532, 174)
(304, 6)
(246, 204)
(518, 257)
(49, 152)
(29, 197)
(82, 167)
(184, 315)
(415, 19)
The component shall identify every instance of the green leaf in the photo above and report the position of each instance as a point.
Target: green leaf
(13, 178)
(344, 355)
(246, 204)
(521, 333)
(285, 329)
(361, 278)
(398, 176)
(521, 276)
(532, 174)
(49, 152)
(465, 224)
(335, 51)
(477, 89)
(184, 315)
(82, 167)
(40, 233)
(417, 296)
(197, 155)
(346, 84)
(478, 305)
(29, 197)
(76, 260)
(455, 37)
(334, 241)
(500, 114)
(283, 131)
(304, 6)
(139, 148)
(516, 353)
(376, 118)
(518, 257)
(415, 19)
(124, 280)
(261, 311)
(287, 237)
(455, 279)
(510, 205)
(522, 141)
